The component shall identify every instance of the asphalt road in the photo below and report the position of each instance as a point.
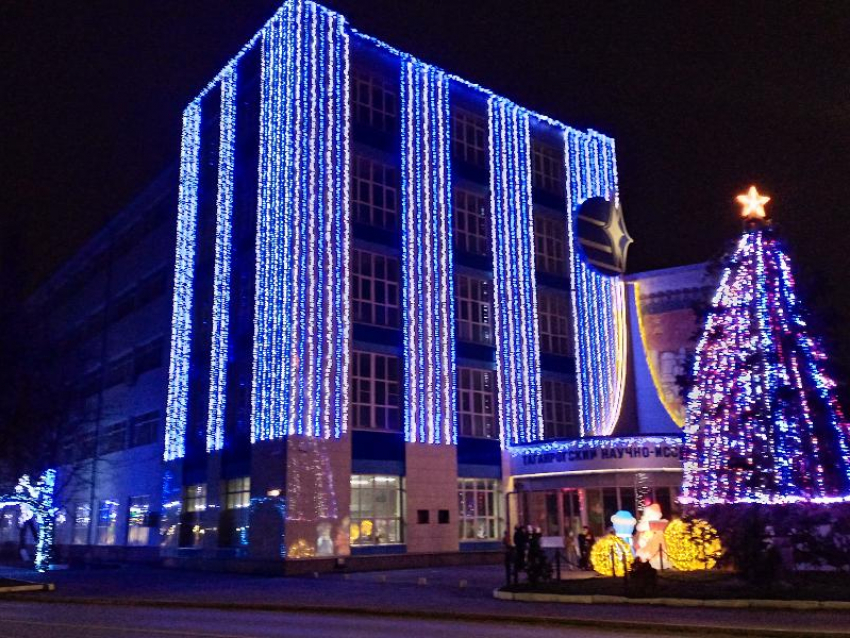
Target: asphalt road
(36, 620)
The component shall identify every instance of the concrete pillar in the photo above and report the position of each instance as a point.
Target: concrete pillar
(431, 484)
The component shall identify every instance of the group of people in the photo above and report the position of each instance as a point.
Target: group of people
(523, 551)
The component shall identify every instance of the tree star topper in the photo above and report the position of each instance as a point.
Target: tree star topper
(753, 204)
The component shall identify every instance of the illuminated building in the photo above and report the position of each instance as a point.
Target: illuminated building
(399, 320)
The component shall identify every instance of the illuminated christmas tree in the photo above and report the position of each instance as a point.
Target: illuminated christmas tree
(763, 424)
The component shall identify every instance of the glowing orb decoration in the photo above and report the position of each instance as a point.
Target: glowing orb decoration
(301, 549)
(611, 556)
(753, 204)
(692, 545)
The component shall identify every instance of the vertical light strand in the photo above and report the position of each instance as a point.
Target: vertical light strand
(184, 270)
(302, 327)
(427, 288)
(221, 285)
(599, 304)
(517, 348)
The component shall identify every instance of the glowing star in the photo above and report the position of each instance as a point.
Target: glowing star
(753, 203)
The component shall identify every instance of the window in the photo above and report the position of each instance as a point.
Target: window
(550, 245)
(149, 356)
(82, 521)
(138, 528)
(144, 429)
(107, 522)
(119, 371)
(195, 498)
(558, 411)
(376, 506)
(237, 493)
(112, 438)
(553, 316)
(374, 287)
(469, 138)
(87, 444)
(474, 313)
(374, 193)
(476, 403)
(480, 507)
(375, 391)
(471, 222)
(547, 168)
(374, 101)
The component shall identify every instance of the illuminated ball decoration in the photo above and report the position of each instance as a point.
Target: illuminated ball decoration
(611, 556)
(692, 545)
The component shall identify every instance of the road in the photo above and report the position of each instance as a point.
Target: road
(35, 620)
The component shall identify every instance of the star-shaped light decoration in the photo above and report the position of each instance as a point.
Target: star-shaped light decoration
(753, 204)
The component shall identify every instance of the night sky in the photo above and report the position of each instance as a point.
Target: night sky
(703, 98)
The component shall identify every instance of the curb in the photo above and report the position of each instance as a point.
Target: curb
(754, 603)
(16, 589)
(639, 626)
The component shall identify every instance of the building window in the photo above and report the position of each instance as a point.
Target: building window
(237, 493)
(144, 429)
(374, 101)
(149, 356)
(471, 222)
(82, 521)
(375, 391)
(112, 439)
(119, 371)
(374, 194)
(550, 245)
(476, 398)
(376, 506)
(374, 289)
(107, 522)
(558, 410)
(480, 507)
(138, 525)
(195, 498)
(553, 317)
(474, 310)
(469, 138)
(547, 168)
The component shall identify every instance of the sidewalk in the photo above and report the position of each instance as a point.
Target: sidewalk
(440, 594)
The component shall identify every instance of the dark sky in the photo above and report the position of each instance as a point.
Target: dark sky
(703, 99)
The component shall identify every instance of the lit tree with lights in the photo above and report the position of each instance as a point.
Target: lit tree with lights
(763, 424)
(35, 501)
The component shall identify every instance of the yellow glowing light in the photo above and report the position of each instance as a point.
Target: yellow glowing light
(301, 549)
(692, 545)
(753, 203)
(354, 532)
(675, 410)
(366, 528)
(611, 556)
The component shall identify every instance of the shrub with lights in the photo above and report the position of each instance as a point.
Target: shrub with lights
(763, 426)
(692, 545)
(36, 502)
(611, 556)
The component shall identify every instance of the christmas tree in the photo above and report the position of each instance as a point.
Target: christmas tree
(763, 424)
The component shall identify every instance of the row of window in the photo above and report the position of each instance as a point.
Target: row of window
(374, 198)
(124, 369)
(376, 391)
(374, 104)
(138, 516)
(375, 300)
(139, 430)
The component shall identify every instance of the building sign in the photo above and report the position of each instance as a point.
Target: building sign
(598, 454)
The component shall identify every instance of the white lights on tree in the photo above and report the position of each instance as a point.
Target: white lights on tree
(36, 501)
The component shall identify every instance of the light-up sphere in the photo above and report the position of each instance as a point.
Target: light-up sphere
(692, 545)
(611, 556)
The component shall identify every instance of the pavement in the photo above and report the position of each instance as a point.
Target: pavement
(422, 595)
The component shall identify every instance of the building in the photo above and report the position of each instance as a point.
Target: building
(399, 323)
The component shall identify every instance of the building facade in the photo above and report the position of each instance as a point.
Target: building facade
(398, 323)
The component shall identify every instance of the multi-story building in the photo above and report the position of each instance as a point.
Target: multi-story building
(399, 322)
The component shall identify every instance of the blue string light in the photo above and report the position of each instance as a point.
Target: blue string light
(184, 270)
(221, 286)
(427, 285)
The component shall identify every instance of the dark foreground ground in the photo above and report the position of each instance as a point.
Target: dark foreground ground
(711, 585)
(144, 601)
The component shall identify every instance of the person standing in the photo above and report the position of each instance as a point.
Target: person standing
(520, 545)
